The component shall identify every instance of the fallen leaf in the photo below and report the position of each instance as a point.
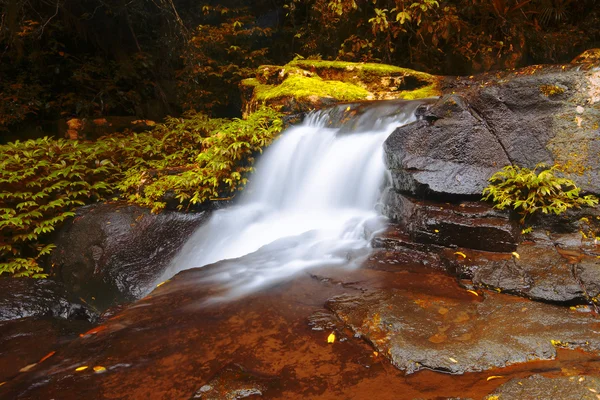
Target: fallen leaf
(458, 253)
(516, 255)
(348, 108)
(93, 331)
(28, 367)
(331, 338)
(2, 383)
(82, 368)
(489, 378)
(375, 353)
(162, 283)
(473, 292)
(47, 356)
(452, 359)
(436, 230)
(592, 390)
(99, 369)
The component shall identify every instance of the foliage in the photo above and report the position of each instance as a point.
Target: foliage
(221, 155)
(196, 159)
(447, 36)
(218, 55)
(40, 183)
(529, 191)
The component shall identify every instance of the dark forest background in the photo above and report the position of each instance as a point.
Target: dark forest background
(151, 58)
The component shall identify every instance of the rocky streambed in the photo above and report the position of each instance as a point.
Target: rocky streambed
(394, 316)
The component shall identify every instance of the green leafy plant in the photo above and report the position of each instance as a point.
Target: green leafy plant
(41, 182)
(219, 155)
(191, 160)
(531, 190)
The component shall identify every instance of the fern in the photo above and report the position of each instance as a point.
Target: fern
(192, 159)
(529, 191)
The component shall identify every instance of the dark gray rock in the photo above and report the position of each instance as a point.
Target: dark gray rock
(113, 253)
(25, 297)
(467, 224)
(556, 268)
(456, 336)
(538, 114)
(537, 387)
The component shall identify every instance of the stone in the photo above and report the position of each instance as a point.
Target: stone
(26, 297)
(559, 268)
(538, 114)
(114, 253)
(233, 383)
(304, 85)
(580, 387)
(454, 335)
(467, 224)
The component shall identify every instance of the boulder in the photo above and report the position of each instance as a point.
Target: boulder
(25, 297)
(467, 224)
(304, 85)
(456, 335)
(114, 253)
(555, 268)
(539, 114)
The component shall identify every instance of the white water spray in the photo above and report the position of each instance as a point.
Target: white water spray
(306, 206)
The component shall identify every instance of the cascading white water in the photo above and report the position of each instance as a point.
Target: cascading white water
(306, 205)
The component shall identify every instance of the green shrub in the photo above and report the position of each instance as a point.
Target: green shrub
(195, 159)
(529, 191)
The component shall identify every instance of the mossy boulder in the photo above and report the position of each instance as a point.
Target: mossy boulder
(303, 85)
(539, 114)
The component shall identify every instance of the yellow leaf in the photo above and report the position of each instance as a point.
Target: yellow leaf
(331, 338)
(473, 292)
(489, 378)
(452, 359)
(348, 109)
(458, 253)
(162, 283)
(436, 230)
(2, 383)
(82, 368)
(99, 369)
(375, 353)
(516, 255)
(28, 367)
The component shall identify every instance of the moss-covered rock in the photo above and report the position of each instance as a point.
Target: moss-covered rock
(302, 85)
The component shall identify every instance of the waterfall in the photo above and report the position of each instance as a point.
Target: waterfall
(306, 205)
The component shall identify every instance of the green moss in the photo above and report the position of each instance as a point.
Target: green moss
(250, 82)
(421, 93)
(366, 68)
(551, 90)
(302, 87)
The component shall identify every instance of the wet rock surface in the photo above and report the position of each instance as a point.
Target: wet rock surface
(28, 342)
(537, 114)
(113, 253)
(468, 224)
(25, 297)
(458, 336)
(539, 387)
(175, 344)
(555, 268)
(232, 383)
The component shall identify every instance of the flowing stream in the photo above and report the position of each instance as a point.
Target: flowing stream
(306, 205)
